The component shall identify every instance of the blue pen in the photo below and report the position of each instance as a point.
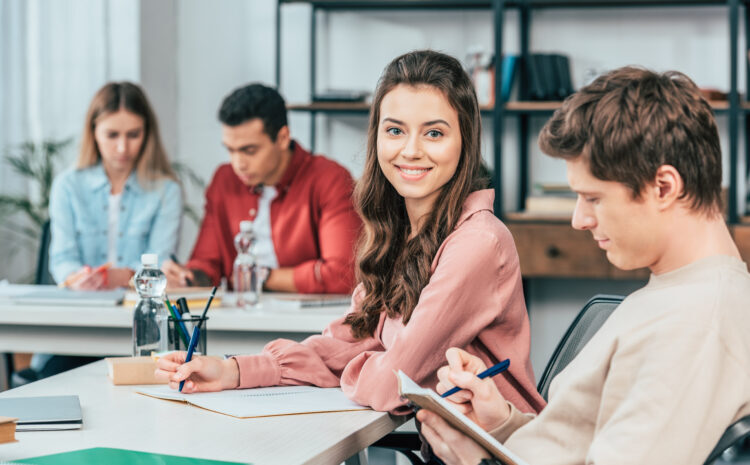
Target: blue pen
(197, 333)
(489, 372)
(191, 348)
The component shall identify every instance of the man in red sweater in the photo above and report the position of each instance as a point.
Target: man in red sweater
(301, 205)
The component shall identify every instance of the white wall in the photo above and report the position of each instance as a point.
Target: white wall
(225, 44)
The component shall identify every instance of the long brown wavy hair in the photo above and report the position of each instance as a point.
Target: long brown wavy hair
(393, 268)
(152, 162)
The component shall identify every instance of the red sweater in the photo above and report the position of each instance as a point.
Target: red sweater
(313, 223)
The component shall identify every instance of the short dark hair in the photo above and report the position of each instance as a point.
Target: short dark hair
(255, 101)
(630, 121)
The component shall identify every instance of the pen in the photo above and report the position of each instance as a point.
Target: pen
(489, 372)
(173, 257)
(77, 276)
(208, 304)
(197, 332)
(178, 320)
(191, 348)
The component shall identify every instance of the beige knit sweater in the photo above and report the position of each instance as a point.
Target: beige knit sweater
(658, 384)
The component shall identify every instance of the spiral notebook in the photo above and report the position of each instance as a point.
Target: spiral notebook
(262, 402)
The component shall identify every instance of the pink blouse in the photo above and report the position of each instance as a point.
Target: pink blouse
(473, 301)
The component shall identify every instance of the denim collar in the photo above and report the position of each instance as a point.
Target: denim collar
(99, 179)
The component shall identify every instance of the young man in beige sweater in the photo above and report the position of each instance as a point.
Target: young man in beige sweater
(670, 369)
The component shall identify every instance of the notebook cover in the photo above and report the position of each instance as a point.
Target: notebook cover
(105, 455)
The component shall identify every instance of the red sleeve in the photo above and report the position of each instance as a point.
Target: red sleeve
(338, 229)
(206, 253)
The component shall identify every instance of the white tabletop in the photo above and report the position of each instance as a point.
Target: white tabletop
(115, 416)
(106, 330)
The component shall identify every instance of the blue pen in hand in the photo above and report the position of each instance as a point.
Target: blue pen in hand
(489, 372)
(191, 348)
(197, 332)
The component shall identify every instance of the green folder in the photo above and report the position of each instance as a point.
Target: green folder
(100, 455)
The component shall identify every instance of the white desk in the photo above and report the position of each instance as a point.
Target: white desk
(108, 330)
(114, 416)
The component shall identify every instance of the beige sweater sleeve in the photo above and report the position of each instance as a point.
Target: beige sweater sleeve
(516, 420)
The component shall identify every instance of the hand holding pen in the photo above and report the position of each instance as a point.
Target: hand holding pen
(197, 333)
(477, 398)
(177, 275)
(87, 279)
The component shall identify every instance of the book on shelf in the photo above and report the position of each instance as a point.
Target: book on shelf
(428, 399)
(7, 430)
(556, 205)
(340, 96)
(548, 76)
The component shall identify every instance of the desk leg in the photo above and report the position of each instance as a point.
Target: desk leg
(360, 458)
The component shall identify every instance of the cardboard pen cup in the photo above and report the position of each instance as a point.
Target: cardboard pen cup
(175, 340)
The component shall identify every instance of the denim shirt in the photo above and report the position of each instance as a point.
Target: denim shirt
(149, 220)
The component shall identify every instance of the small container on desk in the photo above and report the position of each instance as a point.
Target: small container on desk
(175, 338)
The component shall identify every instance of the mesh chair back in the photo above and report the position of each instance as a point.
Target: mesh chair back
(589, 320)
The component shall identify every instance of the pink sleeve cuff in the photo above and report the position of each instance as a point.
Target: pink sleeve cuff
(258, 371)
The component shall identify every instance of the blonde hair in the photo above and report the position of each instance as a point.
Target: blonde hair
(152, 163)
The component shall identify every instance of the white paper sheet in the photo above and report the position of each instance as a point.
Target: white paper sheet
(262, 402)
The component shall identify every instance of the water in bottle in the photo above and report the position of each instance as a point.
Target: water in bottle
(247, 275)
(150, 316)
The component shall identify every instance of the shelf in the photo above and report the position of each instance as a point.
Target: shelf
(402, 4)
(621, 3)
(533, 217)
(488, 4)
(510, 107)
(346, 107)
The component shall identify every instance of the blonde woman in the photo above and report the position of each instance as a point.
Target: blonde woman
(121, 199)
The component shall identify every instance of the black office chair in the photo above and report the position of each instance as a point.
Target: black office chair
(58, 363)
(584, 326)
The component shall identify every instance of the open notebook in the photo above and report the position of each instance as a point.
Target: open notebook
(428, 399)
(262, 402)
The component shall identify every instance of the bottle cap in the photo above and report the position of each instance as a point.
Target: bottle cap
(246, 226)
(150, 259)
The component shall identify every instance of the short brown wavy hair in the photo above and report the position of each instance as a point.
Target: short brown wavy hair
(630, 121)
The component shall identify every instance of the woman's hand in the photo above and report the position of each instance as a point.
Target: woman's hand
(87, 279)
(201, 374)
(478, 399)
(119, 277)
(452, 446)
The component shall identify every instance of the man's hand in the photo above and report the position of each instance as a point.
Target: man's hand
(479, 399)
(452, 446)
(177, 275)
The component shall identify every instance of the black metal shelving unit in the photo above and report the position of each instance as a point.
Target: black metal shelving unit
(524, 111)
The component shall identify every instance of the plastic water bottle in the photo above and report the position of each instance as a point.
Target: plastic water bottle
(247, 281)
(150, 316)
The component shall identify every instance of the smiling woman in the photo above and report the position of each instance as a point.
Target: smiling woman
(436, 267)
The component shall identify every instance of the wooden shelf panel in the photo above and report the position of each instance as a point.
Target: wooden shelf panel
(488, 4)
(515, 107)
(403, 4)
(345, 107)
